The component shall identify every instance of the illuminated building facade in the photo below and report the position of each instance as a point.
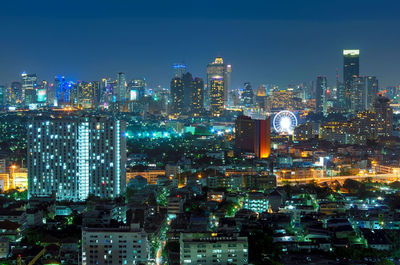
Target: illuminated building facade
(187, 80)
(124, 245)
(197, 102)
(213, 248)
(74, 157)
(357, 100)
(29, 85)
(120, 90)
(304, 131)
(220, 69)
(136, 89)
(15, 96)
(384, 116)
(253, 136)
(351, 68)
(217, 96)
(177, 96)
(371, 91)
(248, 95)
(87, 94)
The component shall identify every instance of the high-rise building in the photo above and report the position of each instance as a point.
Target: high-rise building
(63, 91)
(179, 69)
(219, 68)
(120, 91)
(124, 245)
(29, 85)
(137, 89)
(358, 95)
(197, 102)
(261, 97)
(351, 68)
(187, 79)
(217, 96)
(177, 96)
(384, 116)
(76, 156)
(15, 93)
(88, 94)
(371, 91)
(320, 95)
(253, 136)
(247, 95)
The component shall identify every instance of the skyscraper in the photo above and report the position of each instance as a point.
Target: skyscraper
(120, 91)
(187, 79)
(179, 69)
(247, 95)
(357, 94)
(197, 103)
(217, 96)
(16, 93)
(88, 94)
(177, 96)
(218, 68)
(351, 68)
(384, 116)
(137, 89)
(320, 95)
(29, 85)
(371, 91)
(63, 91)
(75, 156)
(253, 136)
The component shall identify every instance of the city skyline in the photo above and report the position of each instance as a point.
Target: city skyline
(278, 46)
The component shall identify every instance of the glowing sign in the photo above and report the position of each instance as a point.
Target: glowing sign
(351, 52)
(41, 95)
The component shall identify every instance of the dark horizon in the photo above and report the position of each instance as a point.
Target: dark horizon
(266, 43)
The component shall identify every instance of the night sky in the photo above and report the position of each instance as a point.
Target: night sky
(270, 42)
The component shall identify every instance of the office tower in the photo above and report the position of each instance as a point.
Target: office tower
(197, 102)
(137, 89)
(357, 94)
(187, 80)
(88, 94)
(247, 95)
(218, 68)
(253, 136)
(63, 90)
(227, 84)
(217, 96)
(261, 97)
(351, 68)
(213, 248)
(76, 156)
(16, 93)
(320, 95)
(177, 94)
(179, 69)
(124, 245)
(120, 91)
(29, 85)
(304, 132)
(371, 91)
(384, 116)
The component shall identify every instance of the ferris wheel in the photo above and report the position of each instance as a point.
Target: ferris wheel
(284, 122)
